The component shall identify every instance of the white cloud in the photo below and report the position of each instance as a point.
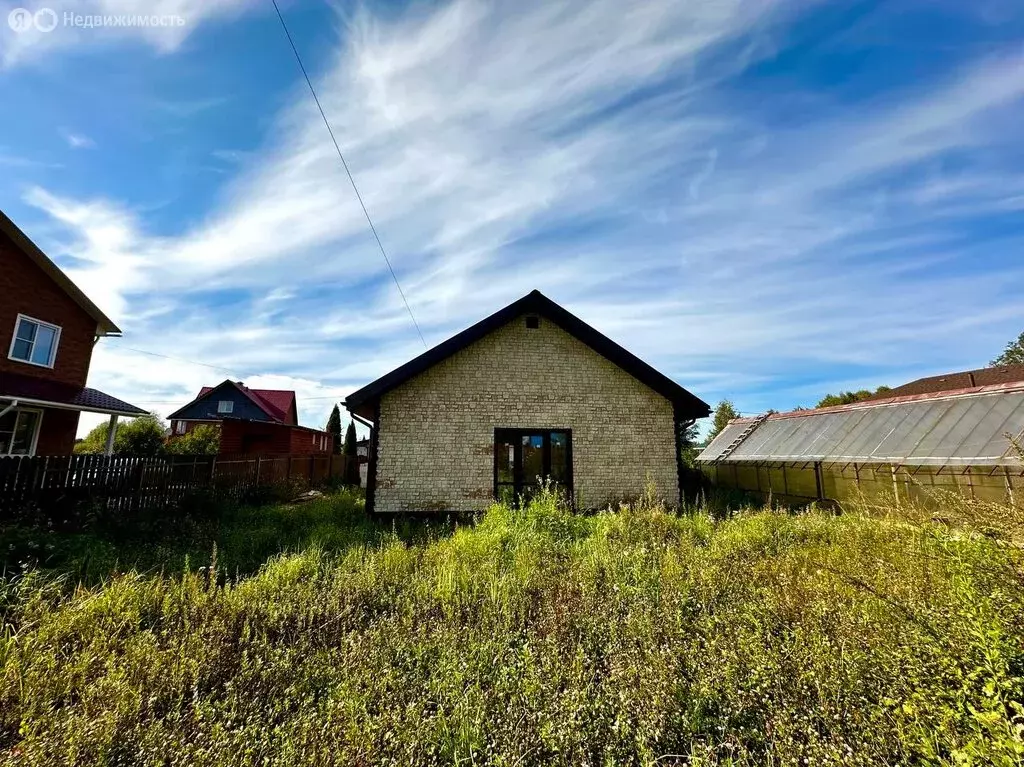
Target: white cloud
(78, 140)
(586, 149)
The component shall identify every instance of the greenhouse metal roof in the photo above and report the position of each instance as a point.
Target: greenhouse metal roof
(968, 427)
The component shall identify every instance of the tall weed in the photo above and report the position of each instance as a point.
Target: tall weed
(536, 636)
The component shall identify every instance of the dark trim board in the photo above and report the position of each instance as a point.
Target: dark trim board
(534, 303)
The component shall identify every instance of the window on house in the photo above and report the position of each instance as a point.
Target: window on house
(225, 406)
(179, 427)
(34, 342)
(532, 323)
(18, 432)
(525, 458)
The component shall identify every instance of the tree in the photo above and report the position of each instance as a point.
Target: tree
(204, 439)
(849, 397)
(140, 436)
(689, 448)
(350, 439)
(724, 413)
(351, 451)
(334, 428)
(1013, 354)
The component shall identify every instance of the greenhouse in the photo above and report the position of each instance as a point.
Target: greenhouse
(966, 441)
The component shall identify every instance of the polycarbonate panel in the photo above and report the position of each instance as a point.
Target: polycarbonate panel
(963, 430)
(873, 428)
(850, 433)
(907, 417)
(997, 447)
(901, 441)
(975, 419)
(831, 425)
(932, 444)
(769, 433)
(721, 442)
(934, 416)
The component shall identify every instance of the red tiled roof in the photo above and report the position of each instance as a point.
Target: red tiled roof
(38, 390)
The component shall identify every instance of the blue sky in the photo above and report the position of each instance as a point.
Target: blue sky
(766, 200)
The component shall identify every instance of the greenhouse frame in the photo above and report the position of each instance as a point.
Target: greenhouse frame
(968, 441)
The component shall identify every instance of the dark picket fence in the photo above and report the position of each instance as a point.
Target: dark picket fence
(126, 483)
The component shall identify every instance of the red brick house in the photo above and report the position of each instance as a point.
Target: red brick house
(251, 421)
(48, 328)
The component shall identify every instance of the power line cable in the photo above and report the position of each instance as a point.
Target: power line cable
(203, 364)
(178, 359)
(351, 179)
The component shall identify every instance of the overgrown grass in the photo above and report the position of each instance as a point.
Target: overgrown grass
(536, 637)
(244, 537)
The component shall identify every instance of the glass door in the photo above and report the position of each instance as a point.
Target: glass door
(525, 458)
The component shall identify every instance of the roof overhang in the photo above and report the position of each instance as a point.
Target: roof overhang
(363, 402)
(38, 392)
(133, 412)
(104, 325)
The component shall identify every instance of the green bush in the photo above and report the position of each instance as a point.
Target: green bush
(204, 439)
(137, 436)
(530, 637)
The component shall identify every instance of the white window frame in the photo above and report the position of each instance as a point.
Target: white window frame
(179, 427)
(35, 437)
(221, 410)
(53, 351)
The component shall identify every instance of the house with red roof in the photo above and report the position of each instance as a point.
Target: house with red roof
(251, 421)
(233, 399)
(48, 331)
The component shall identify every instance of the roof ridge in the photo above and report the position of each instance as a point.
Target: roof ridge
(533, 302)
(35, 254)
(263, 404)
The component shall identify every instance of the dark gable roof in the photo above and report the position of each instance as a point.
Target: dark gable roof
(270, 408)
(104, 324)
(41, 391)
(277, 403)
(992, 376)
(535, 303)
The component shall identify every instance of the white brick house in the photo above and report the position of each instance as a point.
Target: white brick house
(531, 391)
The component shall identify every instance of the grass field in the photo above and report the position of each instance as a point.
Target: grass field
(527, 638)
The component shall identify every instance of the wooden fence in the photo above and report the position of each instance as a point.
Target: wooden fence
(130, 483)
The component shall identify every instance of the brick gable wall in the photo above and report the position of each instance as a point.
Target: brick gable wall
(26, 289)
(436, 432)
